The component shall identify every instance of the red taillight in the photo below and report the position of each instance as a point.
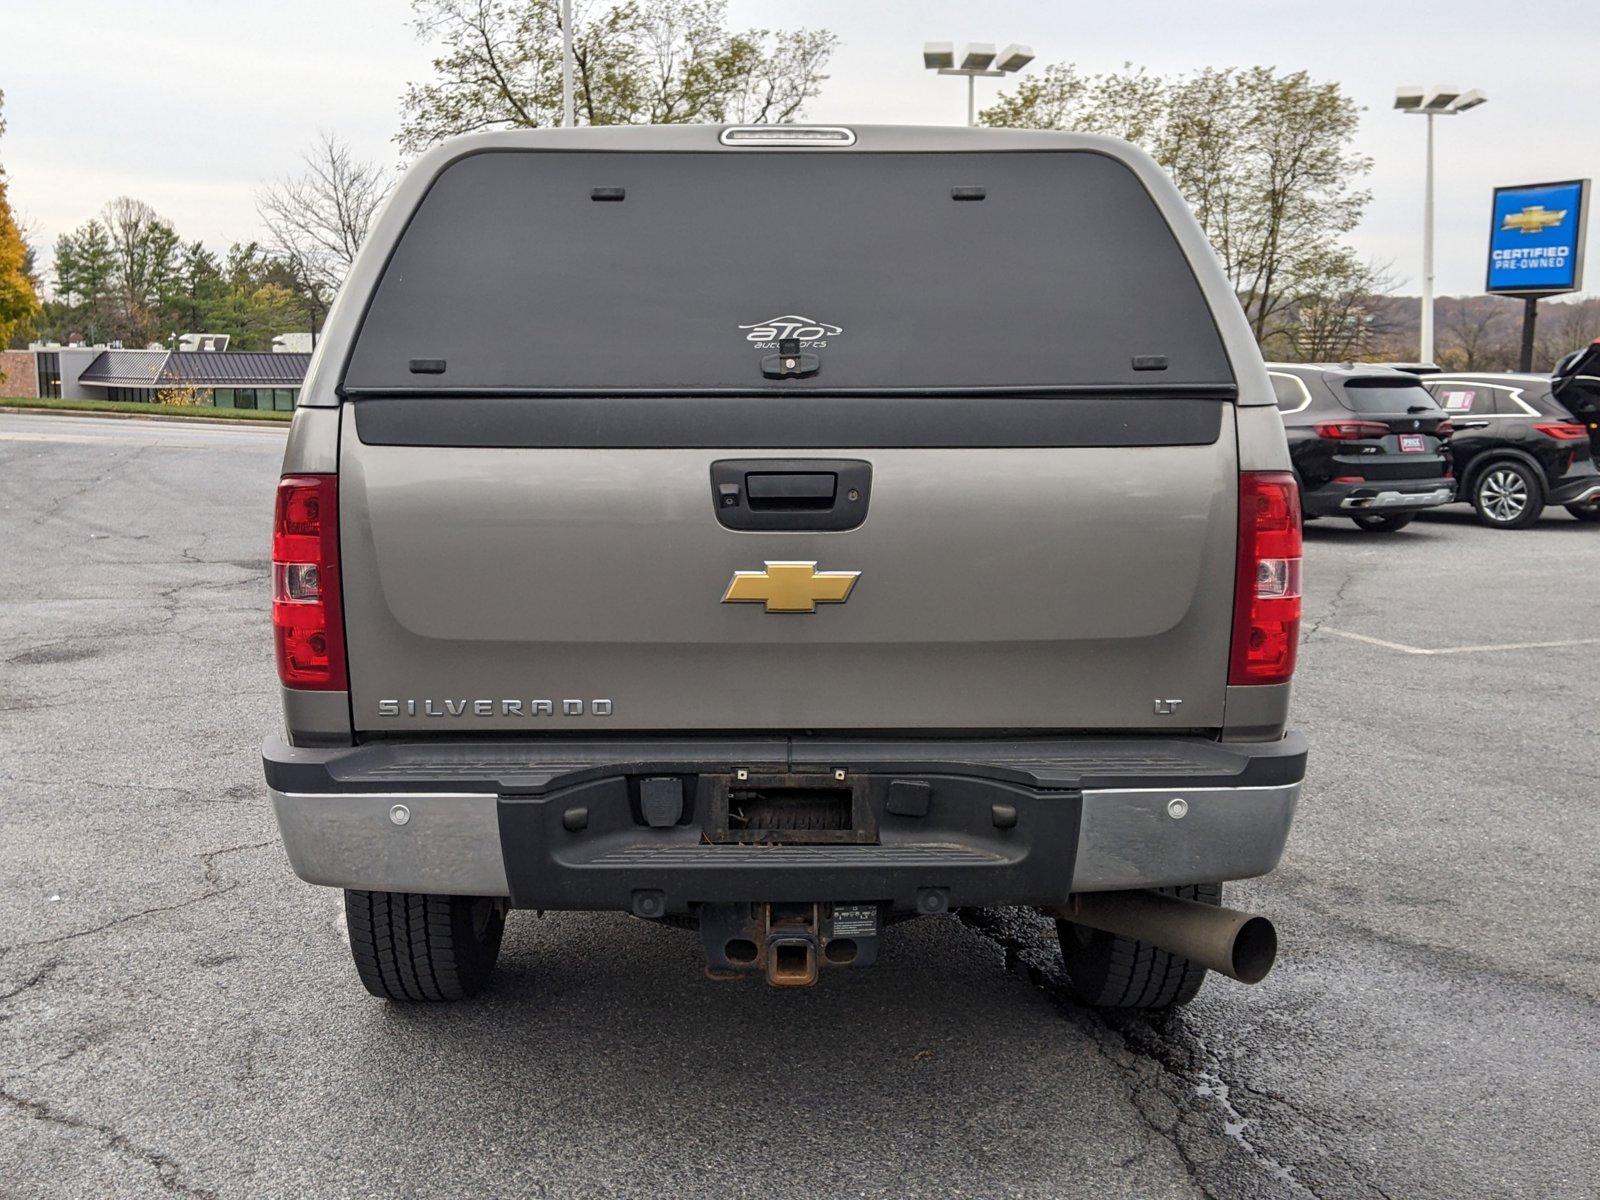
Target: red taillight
(1563, 432)
(307, 613)
(1350, 431)
(1443, 429)
(1266, 598)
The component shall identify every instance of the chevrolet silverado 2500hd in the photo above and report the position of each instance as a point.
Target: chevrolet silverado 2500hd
(780, 532)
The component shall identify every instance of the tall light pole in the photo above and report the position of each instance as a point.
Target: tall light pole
(1436, 101)
(566, 63)
(977, 58)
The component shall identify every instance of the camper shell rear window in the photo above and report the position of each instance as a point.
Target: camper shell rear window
(579, 272)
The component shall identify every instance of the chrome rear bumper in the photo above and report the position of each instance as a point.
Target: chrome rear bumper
(985, 836)
(1589, 495)
(1393, 499)
(443, 842)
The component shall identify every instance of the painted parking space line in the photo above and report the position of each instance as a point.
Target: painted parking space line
(53, 437)
(187, 439)
(32, 425)
(1402, 648)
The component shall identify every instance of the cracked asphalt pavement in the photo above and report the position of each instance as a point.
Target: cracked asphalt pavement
(178, 1014)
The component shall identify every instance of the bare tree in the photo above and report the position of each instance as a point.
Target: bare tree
(1564, 326)
(1476, 333)
(144, 265)
(1264, 159)
(1336, 314)
(634, 62)
(319, 218)
(772, 76)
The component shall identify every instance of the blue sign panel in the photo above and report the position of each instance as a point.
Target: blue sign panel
(1536, 239)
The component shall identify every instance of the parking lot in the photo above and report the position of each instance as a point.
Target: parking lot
(178, 1014)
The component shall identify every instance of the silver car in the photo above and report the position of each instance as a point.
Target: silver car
(781, 532)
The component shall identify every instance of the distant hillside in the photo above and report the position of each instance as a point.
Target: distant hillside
(1477, 333)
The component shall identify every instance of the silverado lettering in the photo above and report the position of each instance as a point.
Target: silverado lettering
(488, 708)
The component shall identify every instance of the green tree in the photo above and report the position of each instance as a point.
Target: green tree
(249, 265)
(116, 276)
(269, 310)
(252, 298)
(145, 285)
(85, 292)
(636, 62)
(84, 265)
(1264, 160)
(19, 299)
(197, 291)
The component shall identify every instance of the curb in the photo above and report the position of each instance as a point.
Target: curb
(167, 418)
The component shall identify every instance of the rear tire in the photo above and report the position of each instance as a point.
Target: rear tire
(410, 946)
(1507, 495)
(1108, 970)
(1384, 522)
(1585, 512)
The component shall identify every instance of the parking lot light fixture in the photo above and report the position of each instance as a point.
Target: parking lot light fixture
(1440, 99)
(1014, 57)
(977, 58)
(1435, 101)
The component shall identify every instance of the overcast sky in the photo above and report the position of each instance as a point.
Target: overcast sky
(190, 104)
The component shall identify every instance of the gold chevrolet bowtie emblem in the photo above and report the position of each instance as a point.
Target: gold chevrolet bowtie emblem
(1533, 218)
(790, 587)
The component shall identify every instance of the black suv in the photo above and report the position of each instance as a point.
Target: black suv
(1518, 448)
(1368, 443)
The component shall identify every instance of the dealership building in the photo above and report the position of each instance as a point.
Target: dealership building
(225, 378)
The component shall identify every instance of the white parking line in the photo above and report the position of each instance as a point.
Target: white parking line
(54, 437)
(146, 434)
(1402, 648)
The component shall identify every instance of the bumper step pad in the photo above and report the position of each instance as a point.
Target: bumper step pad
(532, 767)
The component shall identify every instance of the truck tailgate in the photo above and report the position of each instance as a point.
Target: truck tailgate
(1027, 588)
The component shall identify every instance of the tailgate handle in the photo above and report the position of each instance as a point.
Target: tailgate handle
(792, 491)
(792, 495)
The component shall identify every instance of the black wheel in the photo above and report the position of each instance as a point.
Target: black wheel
(1506, 495)
(1585, 512)
(409, 946)
(1111, 971)
(1383, 522)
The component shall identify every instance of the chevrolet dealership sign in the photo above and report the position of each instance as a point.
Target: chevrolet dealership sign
(1536, 238)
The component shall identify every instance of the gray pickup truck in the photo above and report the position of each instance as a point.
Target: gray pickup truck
(781, 532)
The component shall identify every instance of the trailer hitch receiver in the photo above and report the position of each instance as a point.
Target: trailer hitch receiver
(788, 944)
